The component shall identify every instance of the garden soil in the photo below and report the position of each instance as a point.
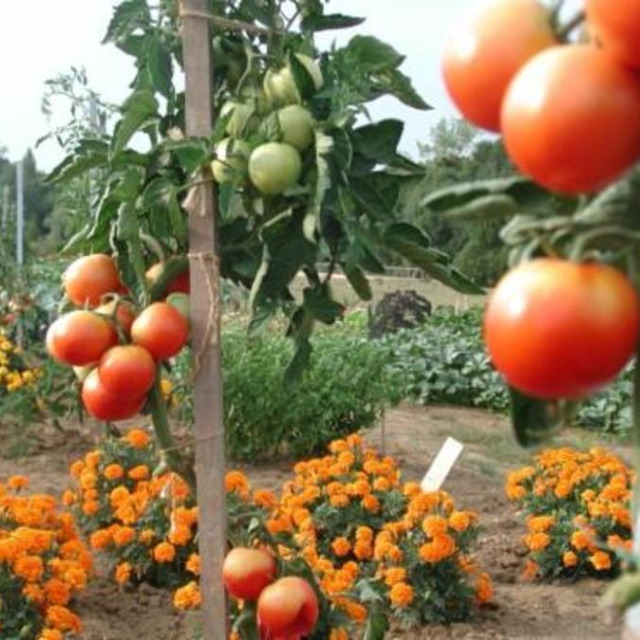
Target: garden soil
(521, 610)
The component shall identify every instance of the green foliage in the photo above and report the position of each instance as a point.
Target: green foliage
(345, 388)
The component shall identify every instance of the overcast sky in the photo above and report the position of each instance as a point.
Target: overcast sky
(40, 39)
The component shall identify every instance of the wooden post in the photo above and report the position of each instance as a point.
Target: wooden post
(205, 329)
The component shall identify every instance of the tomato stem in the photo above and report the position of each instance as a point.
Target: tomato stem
(574, 23)
(176, 461)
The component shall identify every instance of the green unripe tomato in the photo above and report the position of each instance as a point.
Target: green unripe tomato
(280, 87)
(297, 126)
(181, 302)
(231, 160)
(242, 120)
(274, 167)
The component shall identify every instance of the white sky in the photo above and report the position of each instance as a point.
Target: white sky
(42, 38)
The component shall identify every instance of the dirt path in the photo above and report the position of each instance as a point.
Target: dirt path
(522, 611)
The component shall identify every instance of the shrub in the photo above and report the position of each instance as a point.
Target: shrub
(43, 565)
(345, 389)
(576, 506)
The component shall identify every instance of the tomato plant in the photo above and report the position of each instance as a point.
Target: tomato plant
(275, 167)
(247, 572)
(559, 329)
(121, 313)
(486, 51)
(161, 330)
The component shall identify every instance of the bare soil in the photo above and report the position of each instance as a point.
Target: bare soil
(522, 610)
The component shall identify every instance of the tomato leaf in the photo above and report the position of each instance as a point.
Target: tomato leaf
(127, 17)
(159, 65)
(329, 22)
(371, 54)
(320, 306)
(137, 110)
(88, 154)
(534, 421)
(129, 250)
(378, 141)
(301, 77)
(395, 83)
(358, 281)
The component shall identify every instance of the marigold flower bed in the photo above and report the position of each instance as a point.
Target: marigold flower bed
(43, 564)
(577, 512)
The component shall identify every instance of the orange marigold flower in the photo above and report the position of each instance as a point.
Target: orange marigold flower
(122, 573)
(460, 521)
(601, 561)
(50, 634)
(123, 536)
(364, 533)
(141, 472)
(371, 503)
(569, 559)
(188, 597)
(138, 438)
(530, 569)
(164, 552)
(537, 541)
(580, 540)
(341, 547)
(363, 549)
(76, 468)
(100, 539)
(62, 619)
(442, 547)
(92, 459)
(265, 499)
(411, 489)
(540, 524)
(394, 575)
(113, 472)
(401, 594)
(57, 592)
(340, 501)
(236, 482)
(147, 536)
(69, 498)
(180, 536)
(29, 568)
(339, 634)
(382, 484)
(434, 526)
(484, 588)
(35, 593)
(193, 564)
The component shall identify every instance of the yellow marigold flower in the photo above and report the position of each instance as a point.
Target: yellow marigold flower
(18, 482)
(537, 541)
(141, 472)
(580, 540)
(569, 559)
(401, 594)
(188, 597)
(601, 561)
(164, 552)
(147, 536)
(394, 575)
(382, 484)
(364, 534)
(138, 438)
(340, 501)
(122, 573)
(113, 472)
(193, 564)
(540, 524)
(341, 547)
(484, 588)
(29, 568)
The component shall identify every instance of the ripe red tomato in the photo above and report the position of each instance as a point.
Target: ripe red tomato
(127, 371)
(558, 329)
(124, 314)
(485, 53)
(161, 330)
(80, 337)
(246, 572)
(571, 119)
(103, 405)
(87, 279)
(288, 608)
(616, 24)
(180, 284)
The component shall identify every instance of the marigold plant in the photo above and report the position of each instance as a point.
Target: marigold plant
(14, 373)
(43, 564)
(576, 506)
(357, 524)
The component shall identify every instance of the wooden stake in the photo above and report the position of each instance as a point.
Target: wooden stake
(205, 329)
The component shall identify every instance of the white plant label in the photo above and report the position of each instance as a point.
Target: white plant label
(442, 465)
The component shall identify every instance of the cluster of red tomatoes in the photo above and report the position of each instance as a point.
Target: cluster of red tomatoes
(569, 113)
(287, 608)
(114, 349)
